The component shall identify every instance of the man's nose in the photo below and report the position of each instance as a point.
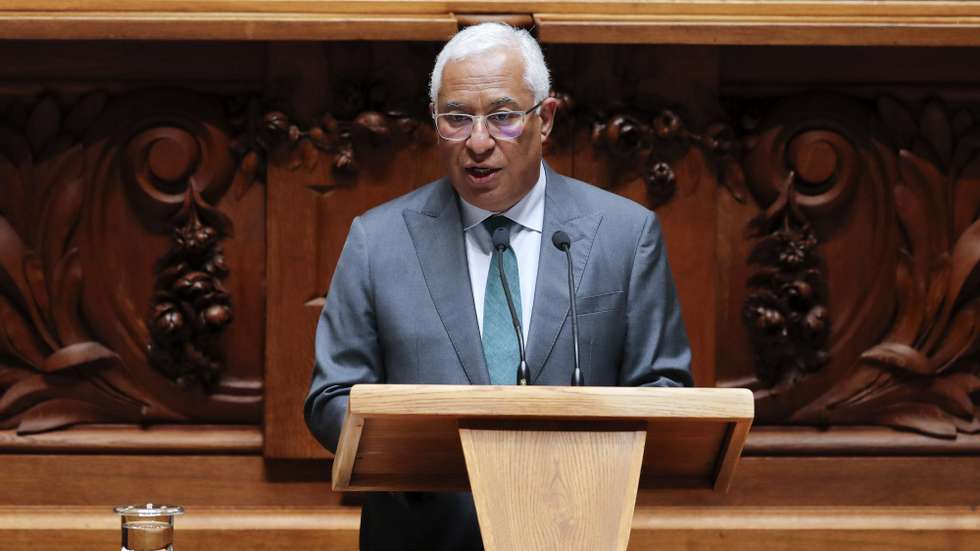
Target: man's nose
(480, 140)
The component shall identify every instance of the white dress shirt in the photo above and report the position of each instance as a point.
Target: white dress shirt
(525, 239)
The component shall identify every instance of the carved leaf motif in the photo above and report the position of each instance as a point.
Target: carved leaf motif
(864, 382)
(928, 190)
(84, 113)
(12, 198)
(11, 268)
(968, 426)
(898, 356)
(21, 399)
(10, 374)
(966, 198)
(937, 281)
(38, 297)
(925, 418)
(62, 202)
(66, 293)
(60, 413)
(924, 150)
(17, 338)
(908, 321)
(960, 338)
(935, 127)
(898, 119)
(963, 121)
(952, 393)
(24, 393)
(965, 262)
(78, 356)
(44, 124)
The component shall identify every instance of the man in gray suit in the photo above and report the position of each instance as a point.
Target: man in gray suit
(417, 297)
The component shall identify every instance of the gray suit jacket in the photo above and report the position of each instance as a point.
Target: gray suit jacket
(400, 308)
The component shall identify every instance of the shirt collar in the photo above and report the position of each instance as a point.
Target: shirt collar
(528, 212)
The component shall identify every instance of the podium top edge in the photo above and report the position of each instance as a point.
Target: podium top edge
(640, 403)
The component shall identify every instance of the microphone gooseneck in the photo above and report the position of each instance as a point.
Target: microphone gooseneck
(562, 242)
(501, 242)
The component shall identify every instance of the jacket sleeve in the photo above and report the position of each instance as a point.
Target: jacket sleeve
(657, 352)
(347, 348)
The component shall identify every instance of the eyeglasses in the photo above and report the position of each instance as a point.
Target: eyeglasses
(502, 125)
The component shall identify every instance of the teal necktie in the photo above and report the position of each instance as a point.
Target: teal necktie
(499, 339)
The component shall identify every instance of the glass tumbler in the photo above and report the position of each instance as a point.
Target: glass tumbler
(148, 527)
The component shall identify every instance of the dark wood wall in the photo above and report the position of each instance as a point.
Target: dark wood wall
(170, 214)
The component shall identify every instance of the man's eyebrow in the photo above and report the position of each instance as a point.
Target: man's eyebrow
(504, 100)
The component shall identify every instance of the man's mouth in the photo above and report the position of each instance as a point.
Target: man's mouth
(481, 171)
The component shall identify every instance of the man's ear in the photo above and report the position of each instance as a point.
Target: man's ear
(547, 113)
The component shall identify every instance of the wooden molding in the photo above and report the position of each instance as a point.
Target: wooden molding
(864, 22)
(198, 439)
(336, 528)
(575, 402)
(761, 29)
(851, 441)
(173, 25)
(854, 8)
(211, 481)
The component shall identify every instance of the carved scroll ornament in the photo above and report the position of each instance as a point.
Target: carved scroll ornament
(73, 348)
(893, 196)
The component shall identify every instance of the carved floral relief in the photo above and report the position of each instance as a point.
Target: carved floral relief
(92, 185)
(888, 195)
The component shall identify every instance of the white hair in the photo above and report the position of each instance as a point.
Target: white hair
(491, 36)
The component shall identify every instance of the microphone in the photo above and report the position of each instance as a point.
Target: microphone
(561, 241)
(501, 242)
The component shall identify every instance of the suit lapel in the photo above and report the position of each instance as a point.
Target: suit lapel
(437, 233)
(551, 305)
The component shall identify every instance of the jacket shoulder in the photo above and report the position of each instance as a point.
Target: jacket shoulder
(596, 199)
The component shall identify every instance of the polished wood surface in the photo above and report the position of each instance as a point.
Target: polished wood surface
(754, 29)
(405, 436)
(248, 481)
(551, 402)
(812, 503)
(903, 22)
(553, 490)
(850, 441)
(275, 529)
(176, 25)
(670, 528)
(111, 439)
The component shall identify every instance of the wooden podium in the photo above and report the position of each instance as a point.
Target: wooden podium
(550, 468)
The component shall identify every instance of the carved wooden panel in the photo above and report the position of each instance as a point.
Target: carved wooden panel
(120, 271)
(822, 242)
(861, 303)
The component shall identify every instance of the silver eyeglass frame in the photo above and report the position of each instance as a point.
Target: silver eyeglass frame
(482, 118)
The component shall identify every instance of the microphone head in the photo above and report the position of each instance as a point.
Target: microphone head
(501, 238)
(561, 240)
